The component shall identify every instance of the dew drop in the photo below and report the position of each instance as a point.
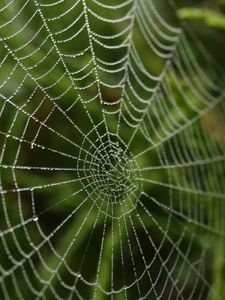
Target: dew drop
(35, 218)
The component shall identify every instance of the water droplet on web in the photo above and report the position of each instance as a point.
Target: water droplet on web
(32, 145)
(35, 218)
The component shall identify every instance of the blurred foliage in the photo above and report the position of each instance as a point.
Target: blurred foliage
(207, 17)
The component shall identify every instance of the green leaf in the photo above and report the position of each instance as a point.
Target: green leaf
(208, 17)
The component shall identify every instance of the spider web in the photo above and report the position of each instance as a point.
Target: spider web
(112, 153)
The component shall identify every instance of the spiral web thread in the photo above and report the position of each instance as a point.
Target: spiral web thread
(112, 169)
